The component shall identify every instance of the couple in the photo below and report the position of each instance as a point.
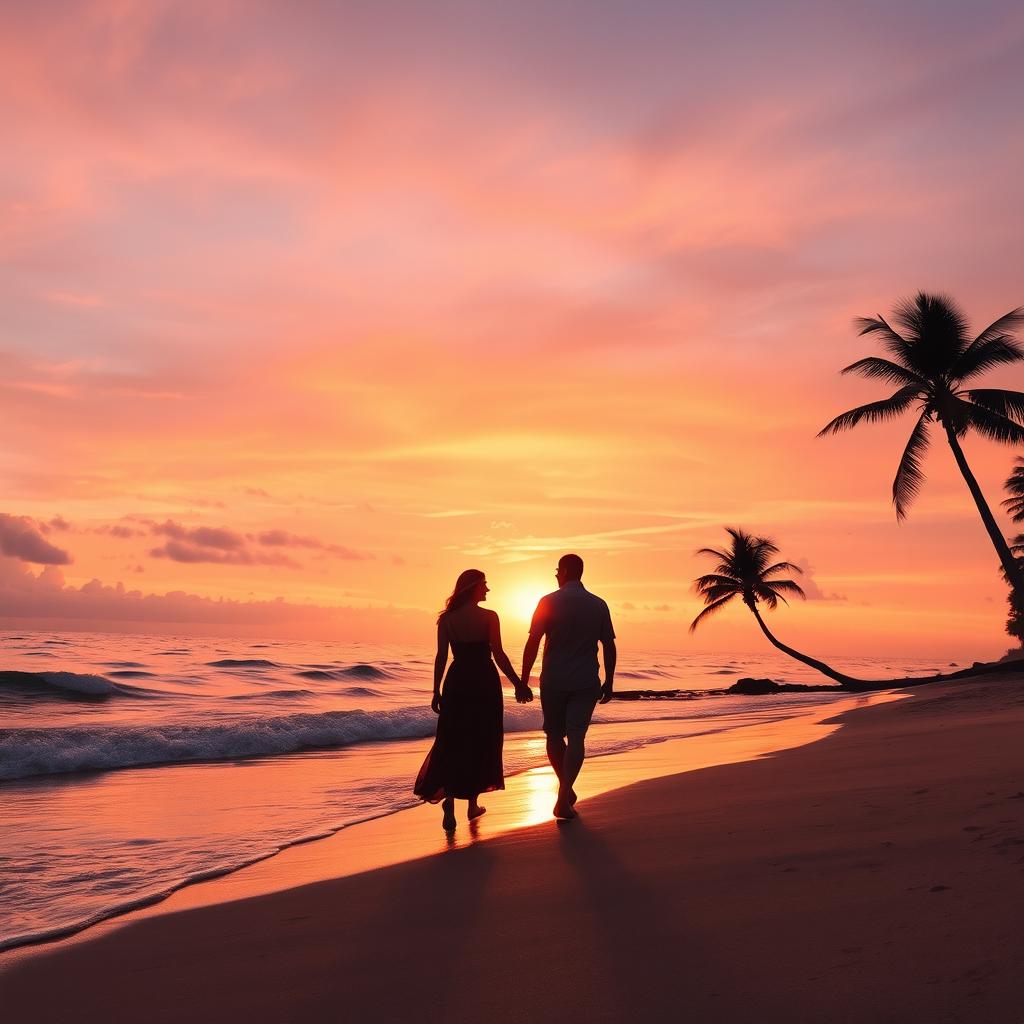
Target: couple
(465, 759)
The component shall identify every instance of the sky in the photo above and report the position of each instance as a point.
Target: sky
(305, 308)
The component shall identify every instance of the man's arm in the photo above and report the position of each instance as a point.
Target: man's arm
(523, 694)
(610, 654)
(529, 657)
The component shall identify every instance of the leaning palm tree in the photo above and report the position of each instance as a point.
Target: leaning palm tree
(745, 570)
(931, 361)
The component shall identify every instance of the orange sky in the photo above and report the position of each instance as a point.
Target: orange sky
(368, 294)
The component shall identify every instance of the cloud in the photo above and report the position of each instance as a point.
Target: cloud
(21, 537)
(120, 531)
(810, 586)
(216, 544)
(191, 553)
(202, 536)
(283, 539)
(222, 545)
(46, 596)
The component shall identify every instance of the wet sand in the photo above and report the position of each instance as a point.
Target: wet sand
(876, 875)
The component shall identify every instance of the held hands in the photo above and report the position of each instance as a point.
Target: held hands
(524, 695)
(606, 693)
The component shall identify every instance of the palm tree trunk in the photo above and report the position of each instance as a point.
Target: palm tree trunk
(1010, 565)
(819, 666)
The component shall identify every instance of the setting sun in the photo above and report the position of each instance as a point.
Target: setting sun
(521, 601)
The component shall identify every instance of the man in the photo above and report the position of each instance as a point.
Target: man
(573, 621)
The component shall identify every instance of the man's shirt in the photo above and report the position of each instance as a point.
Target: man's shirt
(572, 620)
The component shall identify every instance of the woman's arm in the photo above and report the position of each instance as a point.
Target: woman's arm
(440, 660)
(523, 694)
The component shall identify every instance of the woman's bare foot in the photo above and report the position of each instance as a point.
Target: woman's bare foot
(448, 821)
(475, 810)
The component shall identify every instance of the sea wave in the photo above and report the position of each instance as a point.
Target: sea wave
(31, 751)
(263, 695)
(243, 663)
(345, 672)
(28, 752)
(69, 684)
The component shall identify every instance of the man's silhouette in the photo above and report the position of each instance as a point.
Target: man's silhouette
(573, 621)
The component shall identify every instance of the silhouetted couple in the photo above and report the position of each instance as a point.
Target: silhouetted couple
(465, 759)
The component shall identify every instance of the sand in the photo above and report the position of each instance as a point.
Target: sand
(876, 875)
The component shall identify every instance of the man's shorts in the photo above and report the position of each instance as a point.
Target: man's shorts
(567, 711)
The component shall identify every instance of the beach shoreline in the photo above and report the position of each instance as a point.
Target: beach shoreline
(870, 876)
(395, 836)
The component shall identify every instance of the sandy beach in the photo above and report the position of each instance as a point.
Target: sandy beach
(874, 875)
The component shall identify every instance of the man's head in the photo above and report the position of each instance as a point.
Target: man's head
(570, 567)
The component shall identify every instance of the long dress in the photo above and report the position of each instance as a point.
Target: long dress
(466, 756)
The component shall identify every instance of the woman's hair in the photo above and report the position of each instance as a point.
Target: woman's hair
(464, 587)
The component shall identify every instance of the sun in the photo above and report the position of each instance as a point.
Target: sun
(522, 601)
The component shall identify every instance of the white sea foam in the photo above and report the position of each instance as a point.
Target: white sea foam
(29, 752)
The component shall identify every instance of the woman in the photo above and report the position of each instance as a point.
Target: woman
(465, 759)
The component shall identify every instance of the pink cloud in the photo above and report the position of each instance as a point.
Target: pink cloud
(21, 537)
(45, 597)
(229, 547)
(281, 538)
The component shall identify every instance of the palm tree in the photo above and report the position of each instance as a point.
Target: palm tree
(1014, 485)
(1014, 504)
(745, 570)
(930, 363)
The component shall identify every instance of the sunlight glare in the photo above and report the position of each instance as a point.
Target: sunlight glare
(522, 601)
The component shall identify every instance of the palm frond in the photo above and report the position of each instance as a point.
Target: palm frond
(992, 425)
(893, 342)
(1015, 488)
(1015, 506)
(714, 579)
(782, 567)
(873, 412)
(936, 331)
(710, 610)
(981, 356)
(935, 316)
(787, 586)
(909, 474)
(1007, 403)
(770, 598)
(876, 368)
(1008, 323)
(716, 591)
(722, 556)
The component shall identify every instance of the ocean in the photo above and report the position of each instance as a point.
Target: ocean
(133, 765)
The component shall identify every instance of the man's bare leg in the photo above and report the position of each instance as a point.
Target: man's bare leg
(556, 755)
(475, 808)
(572, 762)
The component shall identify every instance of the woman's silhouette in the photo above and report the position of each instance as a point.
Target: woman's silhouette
(465, 759)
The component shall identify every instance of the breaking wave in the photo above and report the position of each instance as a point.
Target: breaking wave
(28, 752)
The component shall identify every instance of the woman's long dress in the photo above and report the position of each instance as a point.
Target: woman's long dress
(466, 756)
